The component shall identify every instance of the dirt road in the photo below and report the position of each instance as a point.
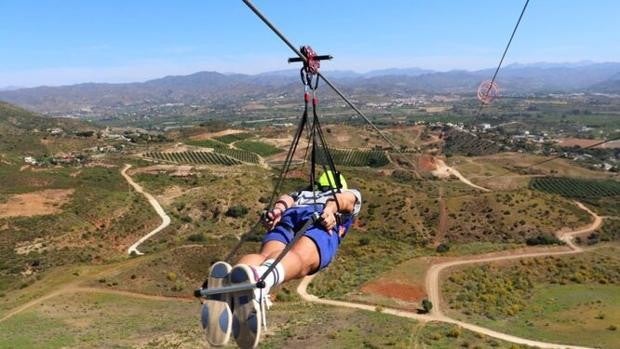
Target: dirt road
(434, 294)
(165, 219)
(444, 171)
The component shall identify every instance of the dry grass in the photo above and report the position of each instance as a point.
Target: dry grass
(37, 203)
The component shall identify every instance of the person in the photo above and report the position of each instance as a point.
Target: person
(311, 253)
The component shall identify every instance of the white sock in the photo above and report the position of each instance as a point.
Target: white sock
(274, 278)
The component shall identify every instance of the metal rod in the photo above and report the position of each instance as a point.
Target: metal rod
(316, 58)
(204, 292)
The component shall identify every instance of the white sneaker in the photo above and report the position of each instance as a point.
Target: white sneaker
(247, 316)
(216, 315)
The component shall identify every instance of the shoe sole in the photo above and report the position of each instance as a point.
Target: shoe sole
(216, 316)
(247, 317)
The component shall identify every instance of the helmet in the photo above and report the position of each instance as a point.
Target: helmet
(328, 181)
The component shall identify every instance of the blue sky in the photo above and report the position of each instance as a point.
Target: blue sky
(57, 42)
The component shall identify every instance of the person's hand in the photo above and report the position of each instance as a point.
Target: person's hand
(328, 220)
(272, 217)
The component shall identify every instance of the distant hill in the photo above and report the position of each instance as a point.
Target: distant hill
(23, 133)
(611, 85)
(209, 88)
(16, 120)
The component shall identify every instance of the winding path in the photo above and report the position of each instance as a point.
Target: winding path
(165, 219)
(433, 281)
(444, 170)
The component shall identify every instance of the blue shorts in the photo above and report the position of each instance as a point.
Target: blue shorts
(294, 218)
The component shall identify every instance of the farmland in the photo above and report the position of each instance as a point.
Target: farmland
(355, 158)
(233, 137)
(194, 157)
(260, 148)
(207, 143)
(576, 187)
(458, 142)
(241, 155)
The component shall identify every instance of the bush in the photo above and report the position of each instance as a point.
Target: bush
(198, 237)
(237, 211)
(443, 248)
(427, 306)
(172, 276)
(84, 133)
(454, 332)
(543, 239)
(402, 175)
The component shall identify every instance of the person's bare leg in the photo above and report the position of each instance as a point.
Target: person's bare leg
(269, 248)
(301, 260)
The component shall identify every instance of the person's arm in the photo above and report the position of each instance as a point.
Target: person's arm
(273, 216)
(346, 203)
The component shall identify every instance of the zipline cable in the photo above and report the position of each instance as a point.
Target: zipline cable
(503, 54)
(298, 53)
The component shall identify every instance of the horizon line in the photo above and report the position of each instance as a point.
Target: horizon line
(575, 64)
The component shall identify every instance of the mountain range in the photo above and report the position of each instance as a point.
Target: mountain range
(206, 88)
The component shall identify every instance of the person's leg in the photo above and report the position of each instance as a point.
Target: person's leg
(269, 248)
(301, 260)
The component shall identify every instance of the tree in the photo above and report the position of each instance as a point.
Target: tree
(427, 306)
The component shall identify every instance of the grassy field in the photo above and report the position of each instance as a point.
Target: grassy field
(101, 219)
(510, 217)
(88, 320)
(609, 231)
(198, 208)
(569, 299)
(208, 143)
(261, 148)
(312, 326)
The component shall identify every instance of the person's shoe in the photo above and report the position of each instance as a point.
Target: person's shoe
(216, 315)
(247, 315)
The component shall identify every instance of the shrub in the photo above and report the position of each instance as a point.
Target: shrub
(454, 332)
(427, 306)
(443, 248)
(198, 237)
(178, 286)
(237, 211)
(543, 239)
(172, 276)
(402, 175)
